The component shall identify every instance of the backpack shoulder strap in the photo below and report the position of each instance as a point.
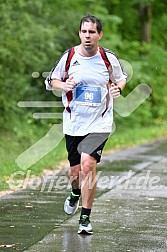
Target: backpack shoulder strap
(106, 60)
(104, 57)
(109, 68)
(71, 53)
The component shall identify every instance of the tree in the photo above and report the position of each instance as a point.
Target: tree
(145, 12)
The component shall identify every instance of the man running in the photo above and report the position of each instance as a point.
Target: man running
(89, 79)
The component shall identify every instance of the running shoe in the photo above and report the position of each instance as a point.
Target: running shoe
(85, 225)
(71, 203)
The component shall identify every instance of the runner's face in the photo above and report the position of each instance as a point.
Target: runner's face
(89, 36)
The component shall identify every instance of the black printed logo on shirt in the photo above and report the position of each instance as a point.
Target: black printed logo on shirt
(76, 63)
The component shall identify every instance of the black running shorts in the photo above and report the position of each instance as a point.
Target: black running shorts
(91, 144)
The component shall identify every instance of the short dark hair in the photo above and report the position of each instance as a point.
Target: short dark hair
(93, 19)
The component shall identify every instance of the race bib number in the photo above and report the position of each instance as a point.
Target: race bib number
(86, 95)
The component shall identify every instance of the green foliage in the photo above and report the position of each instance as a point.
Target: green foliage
(34, 34)
(24, 39)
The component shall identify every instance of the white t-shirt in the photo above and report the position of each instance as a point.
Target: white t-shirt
(92, 105)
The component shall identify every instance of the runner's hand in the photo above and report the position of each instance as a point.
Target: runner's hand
(114, 91)
(69, 84)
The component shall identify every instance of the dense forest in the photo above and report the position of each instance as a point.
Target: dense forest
(35, 33)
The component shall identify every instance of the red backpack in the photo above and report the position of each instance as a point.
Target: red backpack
(71, 53)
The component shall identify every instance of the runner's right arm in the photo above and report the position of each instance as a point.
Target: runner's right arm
(66, 86)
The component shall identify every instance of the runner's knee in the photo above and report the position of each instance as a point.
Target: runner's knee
(74, 171)
(88, 164)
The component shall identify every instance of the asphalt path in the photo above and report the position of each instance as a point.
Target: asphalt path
(129, 212)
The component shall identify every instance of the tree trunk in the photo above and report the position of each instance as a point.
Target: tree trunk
(146, 21)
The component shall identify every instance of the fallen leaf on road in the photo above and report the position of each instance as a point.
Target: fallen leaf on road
(6, 245)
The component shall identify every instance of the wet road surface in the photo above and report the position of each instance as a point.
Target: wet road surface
(129, 212)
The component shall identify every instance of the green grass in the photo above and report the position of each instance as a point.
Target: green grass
(129, 136)
(12, 144)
